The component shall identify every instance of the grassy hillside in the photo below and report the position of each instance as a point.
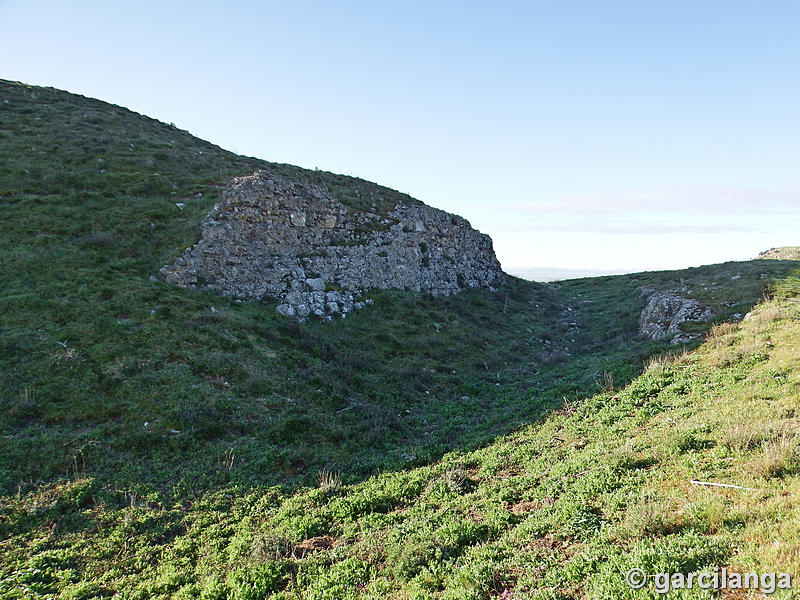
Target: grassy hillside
(785, 253)
(161, 442)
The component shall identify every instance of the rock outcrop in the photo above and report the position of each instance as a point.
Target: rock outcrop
(296, 243)
(666, 311)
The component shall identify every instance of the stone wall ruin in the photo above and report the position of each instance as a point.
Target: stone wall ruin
(296, 243)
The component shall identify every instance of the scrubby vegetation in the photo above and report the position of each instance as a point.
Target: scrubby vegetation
(163, 443)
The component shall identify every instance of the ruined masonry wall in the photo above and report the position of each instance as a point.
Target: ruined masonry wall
(270, 237)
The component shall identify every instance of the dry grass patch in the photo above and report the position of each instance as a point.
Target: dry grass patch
(779, 457)
(747, 435)
(523, 508)
(329, 481)
(662, 361)
(722, 335)
(764, 317)
(653, 514)
(314, 544)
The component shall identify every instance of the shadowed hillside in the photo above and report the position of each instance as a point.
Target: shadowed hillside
(141, 419)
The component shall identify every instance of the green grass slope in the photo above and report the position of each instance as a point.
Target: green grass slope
(160, 442)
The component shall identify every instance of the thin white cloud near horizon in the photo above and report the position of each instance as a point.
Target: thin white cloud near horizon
(684, 200)
(641, 231)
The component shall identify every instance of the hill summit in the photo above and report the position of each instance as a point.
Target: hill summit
(271, 236)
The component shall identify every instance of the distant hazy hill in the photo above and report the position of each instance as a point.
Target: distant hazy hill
(556, 274)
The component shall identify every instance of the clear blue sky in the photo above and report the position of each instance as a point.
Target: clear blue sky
(587, 135)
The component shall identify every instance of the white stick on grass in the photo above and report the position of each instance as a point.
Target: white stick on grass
(726, 485)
